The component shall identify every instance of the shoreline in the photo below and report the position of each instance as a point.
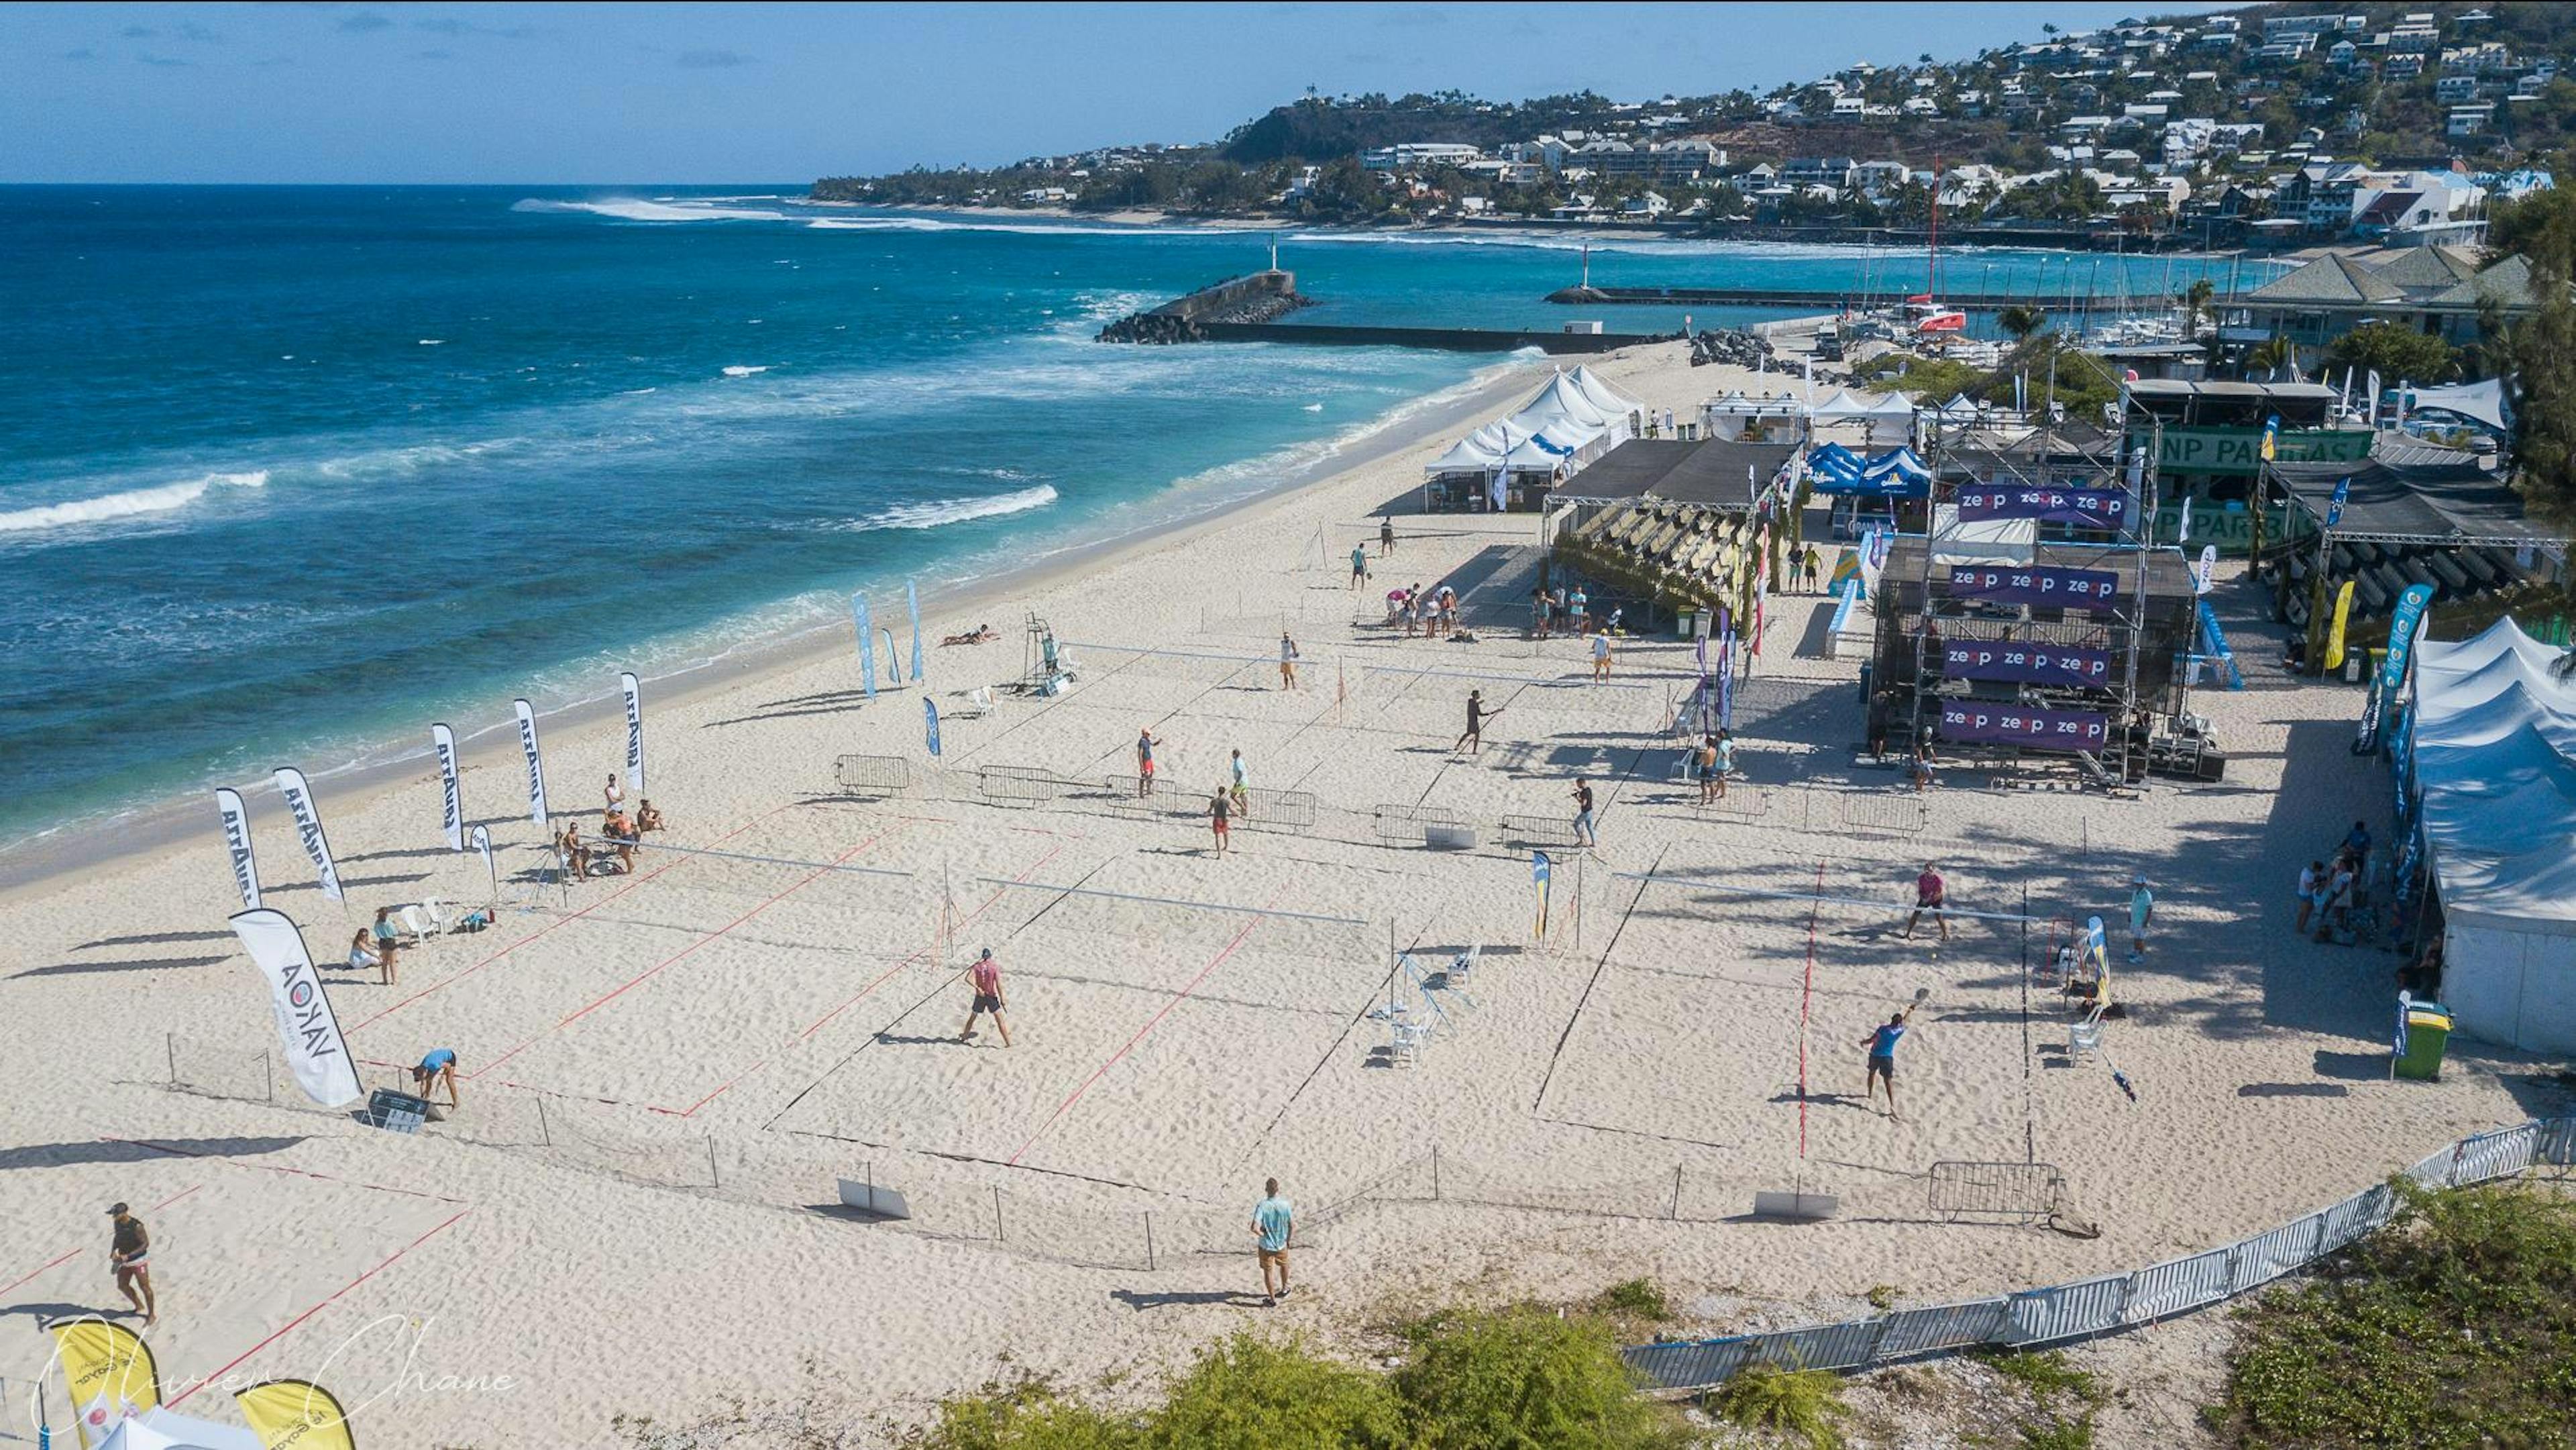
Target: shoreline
(78, 846)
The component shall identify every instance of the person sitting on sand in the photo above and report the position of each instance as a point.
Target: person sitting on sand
(362, 953)
(982, 634)
(647, 818)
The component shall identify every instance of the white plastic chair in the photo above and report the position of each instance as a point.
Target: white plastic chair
(418, 923)
(2084, 1038)
(1410, 1039)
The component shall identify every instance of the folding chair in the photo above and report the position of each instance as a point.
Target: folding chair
(2084, 1038)
(418, 923)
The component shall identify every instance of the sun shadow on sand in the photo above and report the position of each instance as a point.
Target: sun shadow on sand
(153, 939)
(154, 964)
(1140, 1302)
(103, 1150)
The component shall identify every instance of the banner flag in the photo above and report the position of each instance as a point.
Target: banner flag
(867, 646)
(2334, 631)
(2403, 626)
(2374, 397)
(308, 827)
(315, 1051)
(2097, 946)
(228, 804)
(1540, 882)
(483, 846)
(1977, 659)
(930, 724)
(2334, 507)
(2184, 537)
(894, 662)
(109, 1371)
(536, 762)
(2081, 507)
(2206, 571)
(2271, 436)
(451, 814)
(634, 689)
(2058, 588)
(1726, 678)
(912, 602)
(295, 1415)
(1981, 723)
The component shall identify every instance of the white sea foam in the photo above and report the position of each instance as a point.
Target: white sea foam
(433, 342)
(743, 370)
(636, 209)
(125, 505)
(948, 511)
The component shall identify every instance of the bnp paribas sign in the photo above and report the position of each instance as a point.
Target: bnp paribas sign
(2240, 450)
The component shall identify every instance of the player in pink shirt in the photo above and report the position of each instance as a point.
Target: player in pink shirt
(986, 977)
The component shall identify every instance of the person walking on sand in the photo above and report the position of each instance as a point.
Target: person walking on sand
(1814, 568)
(1220, 808)
(1145, 743)
(1600, 658)
(985, 976)
(437, 1068)
(1287, 661)
(1583, 813)
(2142, 908)
(1273, 1219)
(1538, 613)
(2311, 877)
(1473, 741)
(1931, 894)
(1359, 565)
(129, 1253)
(1385, 535)
(1240, 786)
(1881, 1043)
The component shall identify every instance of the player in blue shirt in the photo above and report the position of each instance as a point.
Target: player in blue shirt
(1881, 1043)
(1271, 1221)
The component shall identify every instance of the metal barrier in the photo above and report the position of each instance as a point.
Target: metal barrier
(873, 774)
(1538, 831)
(1398, 823)
(1020, 785)
(1277, 810)
(1903, 815)
(2087, 1307)
(2025, 1191)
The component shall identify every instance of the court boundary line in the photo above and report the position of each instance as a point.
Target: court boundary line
(68, 1255)
(293, 1324)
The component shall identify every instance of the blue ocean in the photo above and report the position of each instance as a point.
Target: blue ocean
(286, 473)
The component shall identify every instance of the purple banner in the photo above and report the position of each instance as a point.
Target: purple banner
(1975, 723)
(2025, 584)
(2084, 508)
(2047, 664)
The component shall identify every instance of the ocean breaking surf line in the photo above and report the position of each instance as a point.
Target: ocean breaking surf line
(129, 504)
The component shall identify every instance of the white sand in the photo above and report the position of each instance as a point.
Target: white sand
(773, 1027)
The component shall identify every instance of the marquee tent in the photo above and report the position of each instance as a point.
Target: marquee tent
(1601, 395)
(1562, 402)
(1849, 407)
(2493, 762)
(2479, 402)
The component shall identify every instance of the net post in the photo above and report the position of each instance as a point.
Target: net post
(997, 1215)
(268, 1075)
(171, 1041)
(1675, 1213)
(714, 1180)
(1149, 1240)
(545, 1135)
(1435, 1173)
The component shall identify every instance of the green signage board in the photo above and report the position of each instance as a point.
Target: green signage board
(2231, 529)
(2240, 450)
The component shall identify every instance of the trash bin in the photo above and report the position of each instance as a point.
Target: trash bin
(1686, 624)
(2423, 1032)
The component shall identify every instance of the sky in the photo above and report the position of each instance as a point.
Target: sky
(748, 92)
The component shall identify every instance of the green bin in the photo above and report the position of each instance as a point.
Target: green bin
(2423, 1031)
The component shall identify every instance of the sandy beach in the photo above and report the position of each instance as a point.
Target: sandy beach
(666, 1073)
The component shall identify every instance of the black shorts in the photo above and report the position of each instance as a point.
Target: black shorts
(1883, 1067)
(986, 1004)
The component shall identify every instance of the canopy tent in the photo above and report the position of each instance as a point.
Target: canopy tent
(2479, 402)
(1601, 395)
(1510, 447)
(1561, 401)
(1713, 473)
(1728, 415)
(159, 1429)
(1478, 452)
(1984, 541)
(1896, 473)
(2493, 761)
(1849, 407)
(2394, 501)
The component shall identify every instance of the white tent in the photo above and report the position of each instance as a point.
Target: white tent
(1985, 541)
(1601, 395)
(2494, 760)
(159, 1429)
(1849, 407)
(2483, 402)
(1563, 402)
(1476, 453)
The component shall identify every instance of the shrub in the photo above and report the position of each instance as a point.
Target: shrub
(2455, 1326)
(1253, 1394)
(1527, 1379)
(1805, 1403)
(1027, 1414)
(1636, 1298)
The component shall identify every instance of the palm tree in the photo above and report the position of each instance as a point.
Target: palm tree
(2021, 321)
(2269, 357)
(2195, 301)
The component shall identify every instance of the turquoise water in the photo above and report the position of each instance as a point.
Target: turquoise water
(287, 473)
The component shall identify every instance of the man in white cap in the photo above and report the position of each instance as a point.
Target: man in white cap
(2142, 905)
(986, 977)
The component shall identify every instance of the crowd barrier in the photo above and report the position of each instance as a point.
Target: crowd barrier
(2062, 1313)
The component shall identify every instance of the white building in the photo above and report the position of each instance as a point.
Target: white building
(1411, 155)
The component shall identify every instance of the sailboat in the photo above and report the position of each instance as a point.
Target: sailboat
(1924, 315)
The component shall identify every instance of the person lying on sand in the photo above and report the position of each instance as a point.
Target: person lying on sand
(983, 634)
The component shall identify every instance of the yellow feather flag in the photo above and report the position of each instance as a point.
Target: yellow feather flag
(2334, 633)
(109, 1371)
(296, 1415)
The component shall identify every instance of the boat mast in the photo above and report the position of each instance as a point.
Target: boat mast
(1932, 288)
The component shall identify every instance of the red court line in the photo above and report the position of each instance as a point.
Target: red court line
(446, 982)
(595, 1004)
(887, 975)
(275, 1168)
(289, 1326)
(75, 1253)
(1103, 1070)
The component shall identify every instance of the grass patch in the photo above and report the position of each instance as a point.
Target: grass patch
(1635, 1299)
(2453, 1327)
(1806, 1404)
(2046, 1373)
